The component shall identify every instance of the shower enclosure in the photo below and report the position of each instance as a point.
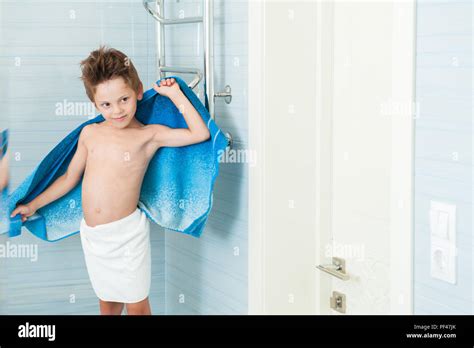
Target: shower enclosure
(43, 98)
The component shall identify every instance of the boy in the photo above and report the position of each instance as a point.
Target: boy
(113, 156)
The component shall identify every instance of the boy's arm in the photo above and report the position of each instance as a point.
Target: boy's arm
(4, 174)
(61, 185)
(196, 132)
(68, 180)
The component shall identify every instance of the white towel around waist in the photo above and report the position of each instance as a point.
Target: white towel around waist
(118, 258)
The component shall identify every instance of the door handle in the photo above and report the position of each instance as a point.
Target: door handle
(336, 269)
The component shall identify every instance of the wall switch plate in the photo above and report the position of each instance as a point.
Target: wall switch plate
(443, 221)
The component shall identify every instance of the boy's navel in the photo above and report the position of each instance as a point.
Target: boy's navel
(97, 210)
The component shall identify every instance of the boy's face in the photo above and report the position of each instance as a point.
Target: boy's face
(117, 102)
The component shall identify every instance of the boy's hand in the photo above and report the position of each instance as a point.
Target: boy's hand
(167, 87)
(26, 210)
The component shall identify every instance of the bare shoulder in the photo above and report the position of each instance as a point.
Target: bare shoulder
(154, 129)
(87, 132)
(151, 136)
(159, 129)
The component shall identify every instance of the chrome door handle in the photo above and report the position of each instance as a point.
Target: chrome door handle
(336, 269)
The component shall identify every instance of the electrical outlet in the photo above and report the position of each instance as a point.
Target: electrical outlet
(443, 253)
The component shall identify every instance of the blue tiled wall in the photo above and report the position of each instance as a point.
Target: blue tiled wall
(209, 275)
(443, 147)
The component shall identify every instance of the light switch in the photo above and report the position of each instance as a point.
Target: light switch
(443, 221)
(442, 229)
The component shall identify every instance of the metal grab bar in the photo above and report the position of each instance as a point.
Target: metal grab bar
(157, 15)
(209, 54)
(209, 63)
(197, 72)
(208, 23)
(162, 68)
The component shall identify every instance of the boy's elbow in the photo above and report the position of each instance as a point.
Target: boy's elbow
(199, 137)
(206, 135)
(70, 180)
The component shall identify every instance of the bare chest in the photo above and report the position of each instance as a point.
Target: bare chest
(127, 150)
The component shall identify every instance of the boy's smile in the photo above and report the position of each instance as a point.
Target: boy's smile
(117, 102)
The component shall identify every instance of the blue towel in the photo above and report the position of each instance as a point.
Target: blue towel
(177, 188)
(4, 221)
(3, 143)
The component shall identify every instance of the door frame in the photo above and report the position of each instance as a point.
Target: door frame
(256, 112)
(324, 150)
(403, 156)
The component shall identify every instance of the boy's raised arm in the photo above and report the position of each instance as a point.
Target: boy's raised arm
(61, 185)
(197, 130)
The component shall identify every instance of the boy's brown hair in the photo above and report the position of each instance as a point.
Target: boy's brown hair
(105, 64)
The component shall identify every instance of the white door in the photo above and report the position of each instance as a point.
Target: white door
(330, 90)
(367, 59)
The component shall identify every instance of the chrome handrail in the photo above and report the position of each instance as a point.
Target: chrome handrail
(157, 15)
(208, 23)
(209, 54)
(197, 72)
(162, 68)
